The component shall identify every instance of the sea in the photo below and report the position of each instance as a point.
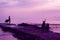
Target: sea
(8, 36)
(55, 28)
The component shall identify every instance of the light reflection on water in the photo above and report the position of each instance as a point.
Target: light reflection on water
(6, 36)
(55, 28)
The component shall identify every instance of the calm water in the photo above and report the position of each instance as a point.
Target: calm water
(8, 36)
(55, 28)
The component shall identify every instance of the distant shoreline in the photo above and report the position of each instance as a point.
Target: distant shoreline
(28, 23)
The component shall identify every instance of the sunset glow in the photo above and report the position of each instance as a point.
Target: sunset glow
(30, 10)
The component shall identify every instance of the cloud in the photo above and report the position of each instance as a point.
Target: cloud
(23, 3)
(30, 10)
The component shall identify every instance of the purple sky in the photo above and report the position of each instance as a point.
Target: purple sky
(30, 11)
